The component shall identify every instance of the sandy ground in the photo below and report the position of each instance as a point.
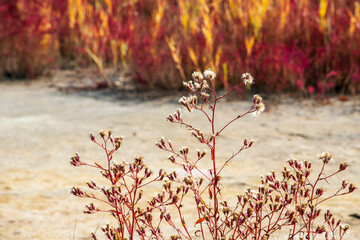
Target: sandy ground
(41, 128)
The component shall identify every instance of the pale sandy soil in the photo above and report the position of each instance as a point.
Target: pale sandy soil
(41, 128)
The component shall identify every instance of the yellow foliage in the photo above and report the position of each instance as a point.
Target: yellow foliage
(354, 19)
(285, 9)
(217, 56)
(233, 8)
(72, 13)
(225, 72)
(104, 30)
(357, 10)
(322, 12)
(175, 53)
(114, 51)
(206, 28)
(76, 12)
(242, 18)
(123, 49)
(98, 61)
(157, 18)
(184, 14)
(193, 57)
(109, 5)
(249, 43)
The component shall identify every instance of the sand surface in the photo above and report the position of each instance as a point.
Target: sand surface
(41, 128)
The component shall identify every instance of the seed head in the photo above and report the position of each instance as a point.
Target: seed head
(259, 105)
(248, 80)
(197, 76)
(209, 74)
(189, 85)
(188, 102)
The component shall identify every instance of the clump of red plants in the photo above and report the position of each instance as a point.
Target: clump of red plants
(290, 203)
(304, 46)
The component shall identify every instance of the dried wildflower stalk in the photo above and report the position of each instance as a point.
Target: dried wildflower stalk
(290, 202)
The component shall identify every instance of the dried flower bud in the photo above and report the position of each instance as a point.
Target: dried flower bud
(188, 180)
(161, 143)
(319, 191)
(175, 237)
(139, 159)
(226, 210)
(171, 158)
(103, 134)
(118, 141)
(90, 209)
(338, 223)
(204, 96)
(92, 137)
(193, 100)
(320, 229)
(77, 192)
(249, 212)
(344, 183)
(352, 187)
(291, 162)
(265, 237)
(183, 101)
(343, 166)
(174, 174)
(167, 217)
(92, 185)
(177, 115)
(325, 157)
(170, 118)
(344, 228)
(189, 85)
(328, 215)
(184, 151)
(75, 160)
(175, 199)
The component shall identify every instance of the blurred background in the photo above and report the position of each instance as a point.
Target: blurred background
(305, 46)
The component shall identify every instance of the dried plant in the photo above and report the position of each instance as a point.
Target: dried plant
(287, 203)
